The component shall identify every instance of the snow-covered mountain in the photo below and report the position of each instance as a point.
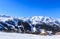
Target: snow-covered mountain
(31, 24)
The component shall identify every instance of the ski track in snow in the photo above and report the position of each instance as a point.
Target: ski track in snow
(4, 35)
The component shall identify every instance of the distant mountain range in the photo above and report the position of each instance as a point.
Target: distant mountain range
(32, 24)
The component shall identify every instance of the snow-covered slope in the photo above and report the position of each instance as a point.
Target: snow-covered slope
(4, 35)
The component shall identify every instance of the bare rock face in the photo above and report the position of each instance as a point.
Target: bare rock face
(44, 33)
(57, 33)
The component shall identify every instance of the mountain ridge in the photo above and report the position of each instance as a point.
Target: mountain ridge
(32, 24)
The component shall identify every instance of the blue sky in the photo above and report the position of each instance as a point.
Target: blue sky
(28, 8)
